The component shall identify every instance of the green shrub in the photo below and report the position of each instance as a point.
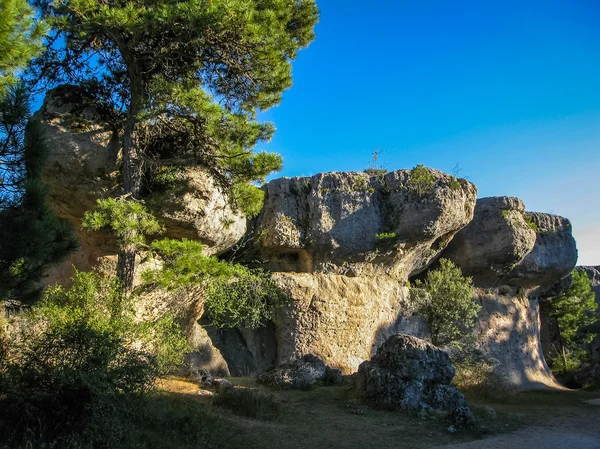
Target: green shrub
(445, 300)
(76, 350)
(235, 295)
(421, 180)
(529, 221)
(249, 403)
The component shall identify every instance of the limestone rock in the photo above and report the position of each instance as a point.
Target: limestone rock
(340, 319)
(414, 359)
(412, 374)
(359, 224)
(298, 374)
(84, 165)
(497, 238)
(508, 330)
(504, 245)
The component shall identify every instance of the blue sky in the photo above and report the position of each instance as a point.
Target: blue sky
(509, 90)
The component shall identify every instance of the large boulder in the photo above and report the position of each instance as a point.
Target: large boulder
(298, 374)
(84, 165)
(359, 224)
(340, 319)
(505, 245)
(412, 374)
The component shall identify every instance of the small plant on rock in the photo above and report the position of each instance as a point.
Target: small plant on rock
(421, 180)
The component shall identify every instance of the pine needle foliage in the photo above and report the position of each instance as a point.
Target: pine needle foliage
(129, 221)
(235, 295)
(21, 40)
(574, 310)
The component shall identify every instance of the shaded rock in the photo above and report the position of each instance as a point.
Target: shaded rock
(504, 245)
(508, 331)
(333, 376)
(298, 374)
(414, 359)
(84, 165)
(462, 417)
(330, 222)
(411, 374)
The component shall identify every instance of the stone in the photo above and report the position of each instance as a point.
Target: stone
(299, 374)
(359, 224)
(83, 165)
(333, 377)
(412, 374)
(340, 319)
(462, 417)
(414, 359)
(504, 245)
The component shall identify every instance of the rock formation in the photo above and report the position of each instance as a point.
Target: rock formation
(84, 165)
(515, 258)
(342, 245)
(412, 374)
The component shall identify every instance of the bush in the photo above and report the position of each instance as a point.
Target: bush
(235, 295)
(76, 352)
(445, 301)
(421, 180)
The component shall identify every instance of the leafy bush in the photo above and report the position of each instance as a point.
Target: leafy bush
(235, 294)
(249, 403)
(76, 350)
(445, 300)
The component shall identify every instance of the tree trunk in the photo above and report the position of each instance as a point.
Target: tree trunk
(132, 177)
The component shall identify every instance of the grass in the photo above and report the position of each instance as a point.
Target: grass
(332, 417)
(255, 417)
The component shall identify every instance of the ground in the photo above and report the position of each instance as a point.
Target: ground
(332, 417)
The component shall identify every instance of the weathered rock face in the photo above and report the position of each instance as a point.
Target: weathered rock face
(342, 246)
(504, 245)
(412, 374)
(340, 319)
(512, 256)
(84, 165)
(357, 224)
(508, 330)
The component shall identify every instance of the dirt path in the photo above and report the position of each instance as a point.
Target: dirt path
(577, 430)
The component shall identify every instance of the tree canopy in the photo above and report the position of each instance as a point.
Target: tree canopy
(185, 79)
(21, 38)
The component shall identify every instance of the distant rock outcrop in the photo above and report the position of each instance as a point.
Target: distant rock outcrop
(412, 374)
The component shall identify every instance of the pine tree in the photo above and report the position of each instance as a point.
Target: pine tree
(191, 76)
(20, 40)
(574, 310)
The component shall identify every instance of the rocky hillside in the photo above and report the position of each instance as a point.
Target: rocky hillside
(342, 245)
